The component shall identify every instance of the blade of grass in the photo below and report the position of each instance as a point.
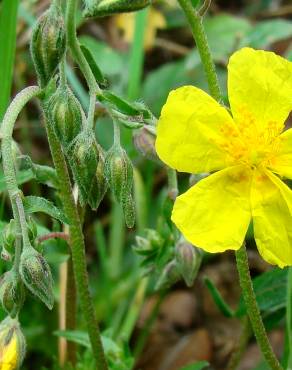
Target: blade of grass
(137, 55)
(8, 18)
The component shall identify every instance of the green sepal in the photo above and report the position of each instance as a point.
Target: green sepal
(119, 173)
(86, 159)
(65, 115)
(12, 293)
(48, 44)
(36, 275)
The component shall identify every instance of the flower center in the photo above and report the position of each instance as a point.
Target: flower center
(249, 144)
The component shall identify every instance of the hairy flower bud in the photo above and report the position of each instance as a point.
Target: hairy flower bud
(8, 237)
(12, 344)
(169, 276)
(144, 141)
(189, 260)
(102, 8)
(48, 44)
(65, 116)
(11, 293)
(36, 275)
(119, 173)
(86, 158)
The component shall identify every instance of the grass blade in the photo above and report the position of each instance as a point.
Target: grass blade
(8, 18)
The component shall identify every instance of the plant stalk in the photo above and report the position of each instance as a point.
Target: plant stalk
(253, 309)
(7, 126)
(196, 22)
(77, 249)
(80, 59)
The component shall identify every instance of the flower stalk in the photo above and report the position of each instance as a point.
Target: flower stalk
(77, 248)
(253, 309)
(196, 23)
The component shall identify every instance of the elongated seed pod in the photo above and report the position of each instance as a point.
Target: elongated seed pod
(48, 44)
(102, 8)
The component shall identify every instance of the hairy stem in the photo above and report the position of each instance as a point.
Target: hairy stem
(77, 249)
(196, 22)
(80, 58)
(9, 166)
(253, 309)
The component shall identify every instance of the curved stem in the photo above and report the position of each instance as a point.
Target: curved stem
(9, 167)
(253, 309)
(80, 58)
(78, 249)
(196, 22)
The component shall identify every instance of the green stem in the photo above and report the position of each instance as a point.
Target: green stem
(242, 344)
(78, 249)
(172, 183)
(71, 310)
(196, 22)
(80, 58)
(9, 167)
(253, 309)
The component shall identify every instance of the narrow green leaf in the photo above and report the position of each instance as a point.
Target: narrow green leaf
(121, 105)
(8, 18)
(218, 299)
(34, 204)
(94, 67)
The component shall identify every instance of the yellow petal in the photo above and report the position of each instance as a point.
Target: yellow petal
(282, 161)
(260, 89)
(215, 213)
(271, 202)
(189, 130)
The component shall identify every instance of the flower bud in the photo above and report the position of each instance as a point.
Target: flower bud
(86, 159)
(48, 44)
(36, 275)
(65, 116)
(119, 173)
(8, 237)
(170, 275)
(11, 293)
(188, 260)
(12, 344)
(144, 142)
(102, 8)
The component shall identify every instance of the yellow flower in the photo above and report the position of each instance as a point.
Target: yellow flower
(12, 345)
(249, 150)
